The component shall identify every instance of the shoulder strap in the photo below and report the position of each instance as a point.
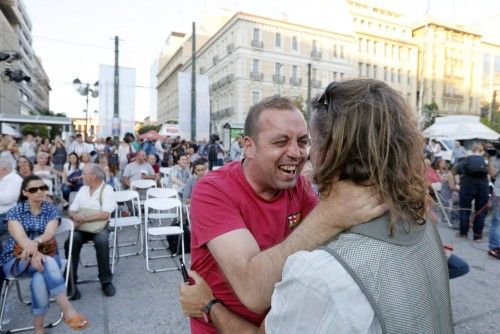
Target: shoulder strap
(355, 277)
(100, 194)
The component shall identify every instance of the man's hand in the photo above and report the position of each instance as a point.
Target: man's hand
(194, 297)
(349, 204)
(78, 218)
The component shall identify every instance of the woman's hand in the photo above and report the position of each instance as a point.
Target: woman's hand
(29, 250)
(37, 261)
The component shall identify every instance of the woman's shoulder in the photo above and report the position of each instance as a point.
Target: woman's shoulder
(48, 207)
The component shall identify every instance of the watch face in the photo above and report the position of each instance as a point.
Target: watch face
(205, 318)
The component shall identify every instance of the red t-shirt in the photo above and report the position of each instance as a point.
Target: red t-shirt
(224, 201)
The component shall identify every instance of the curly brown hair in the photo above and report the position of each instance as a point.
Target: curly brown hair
(367, 134)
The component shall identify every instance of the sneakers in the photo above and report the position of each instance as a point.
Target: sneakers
(462, 236)
(108, 289)
(494, 253)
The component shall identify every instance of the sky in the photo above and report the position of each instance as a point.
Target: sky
(74, 37)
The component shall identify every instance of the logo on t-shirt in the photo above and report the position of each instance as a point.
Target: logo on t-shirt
(294, 219)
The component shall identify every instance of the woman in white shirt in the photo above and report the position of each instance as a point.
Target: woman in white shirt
(70, 167)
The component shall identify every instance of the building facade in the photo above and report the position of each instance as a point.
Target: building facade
(450, 68)
(384, 48)
(490, 90)
(25, 97)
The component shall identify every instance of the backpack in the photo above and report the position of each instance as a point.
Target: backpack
(475, 166)
(212, 152)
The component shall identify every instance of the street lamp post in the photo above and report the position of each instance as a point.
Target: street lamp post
(86, 90)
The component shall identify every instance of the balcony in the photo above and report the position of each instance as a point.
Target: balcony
(455, 97)
(256, 76)
(257, 44)
(223, 113)
(294, 81)
(230, 78)
(213, 87)
(215, 60)
(315, 54)
(230, 48)
(202, 70)
(315, 83)
(279, 79)
(221, 83)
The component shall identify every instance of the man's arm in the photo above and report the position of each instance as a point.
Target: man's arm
(126, 181)
(491, 169)
(252, 273)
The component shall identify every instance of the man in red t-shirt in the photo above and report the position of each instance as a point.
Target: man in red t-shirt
(243, 214)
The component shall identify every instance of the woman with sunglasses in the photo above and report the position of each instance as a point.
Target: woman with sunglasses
(31, 222)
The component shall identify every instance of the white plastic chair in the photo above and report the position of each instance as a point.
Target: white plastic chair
(162, 193)
(66, 226)
(165, 205)
(188, 216)
(135, 219)
(165, 176)
(142, 185)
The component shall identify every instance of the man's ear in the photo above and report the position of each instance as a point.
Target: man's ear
(249, 147)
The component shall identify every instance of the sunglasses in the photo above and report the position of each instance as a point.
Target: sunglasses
(35, 189)
(325, 97)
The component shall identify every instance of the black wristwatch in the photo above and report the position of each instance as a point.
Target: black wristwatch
(207, 308)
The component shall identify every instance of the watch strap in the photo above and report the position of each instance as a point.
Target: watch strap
(208, 307)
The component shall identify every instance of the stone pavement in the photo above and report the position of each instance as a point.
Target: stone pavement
(147, 302)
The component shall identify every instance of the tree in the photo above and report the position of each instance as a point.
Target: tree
(35, 130)
(430, 112)
(301, 105)
(55, 129)
(147, 128)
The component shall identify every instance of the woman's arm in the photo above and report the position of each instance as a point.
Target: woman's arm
(50, 231)
(17, 232)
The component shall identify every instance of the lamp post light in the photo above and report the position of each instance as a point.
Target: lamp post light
(85, 89)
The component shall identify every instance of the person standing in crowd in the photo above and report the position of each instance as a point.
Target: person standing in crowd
(125, 153)
(10, 151)
(212, 151)
(94, 202)
(59, 154)
(10, 185)
(32, 222)
(24, 167)
(199, 170)
(45, 146)
(139, 169)
(28, 148)
(180, 174)
(494, 232)
(236, 151)
(111, 152)
(459, 152)
(338, 287)
(79, 146)
(248, 216)
(159, 147)
(473, 186)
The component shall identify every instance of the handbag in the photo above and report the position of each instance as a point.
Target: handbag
(95, 226)
(48, 247)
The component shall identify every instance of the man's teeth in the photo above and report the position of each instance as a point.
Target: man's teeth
(288, 170)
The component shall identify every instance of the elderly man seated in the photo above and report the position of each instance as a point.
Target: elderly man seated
(90, 211)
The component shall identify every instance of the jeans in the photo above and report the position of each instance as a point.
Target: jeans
(479, 193)
(494, 236)
(101, 245)
(45, 284)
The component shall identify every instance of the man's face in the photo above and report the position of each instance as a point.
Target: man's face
(279, 151)
(88, 177)
(140, 157)
(79, 139)
(200, 170)
(183, 161)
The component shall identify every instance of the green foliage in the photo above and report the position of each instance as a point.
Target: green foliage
(35, 130)
(430, 112)
(301, 105)
(147, 128)
(494, 124)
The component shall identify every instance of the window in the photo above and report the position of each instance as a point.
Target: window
(255, 96)
(368, 69)
(294, 71)
(315, 46)
(295, 44)
(400, 50)
(386, 49)
(256, 66)
(256, 34)
(277, 68)
(342, 51)
(360, 42)
(278, 40)
(393, 51)
(375, 70)
(334, 50)
(408, 75)
(341, 76)
(367, 46)
(409, 54)
(399, 76)
(375, 45)
(335, 76)
(360, 69)
(385, 73)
